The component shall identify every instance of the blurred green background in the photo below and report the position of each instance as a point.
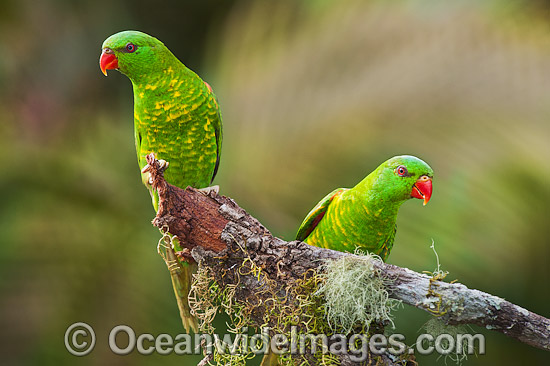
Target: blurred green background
(314, 94)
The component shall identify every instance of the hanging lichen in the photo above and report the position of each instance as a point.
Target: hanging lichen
(343, 296)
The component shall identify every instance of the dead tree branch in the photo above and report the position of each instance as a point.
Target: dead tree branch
(211, 228)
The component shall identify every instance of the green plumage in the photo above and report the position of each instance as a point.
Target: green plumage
(176, 116)
(365, 216)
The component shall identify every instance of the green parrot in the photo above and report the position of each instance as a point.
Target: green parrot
(176, 116)
(364, 216)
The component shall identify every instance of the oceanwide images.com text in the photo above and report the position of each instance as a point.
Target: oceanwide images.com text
(80, 340)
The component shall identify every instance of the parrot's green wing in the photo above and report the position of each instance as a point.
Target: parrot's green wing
(217, 123)
(388, 244)
(314, 217)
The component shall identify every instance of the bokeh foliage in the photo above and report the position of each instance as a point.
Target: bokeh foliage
(314, 95)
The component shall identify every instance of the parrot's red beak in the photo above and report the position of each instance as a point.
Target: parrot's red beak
(107, 61)
(422, 189)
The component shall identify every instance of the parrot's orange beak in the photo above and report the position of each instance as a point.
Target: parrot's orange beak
(422, 189)
(107, 61)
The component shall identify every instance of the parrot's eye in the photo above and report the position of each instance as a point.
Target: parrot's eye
(130, 47)
(401, 171)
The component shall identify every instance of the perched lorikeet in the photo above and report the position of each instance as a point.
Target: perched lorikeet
(176, 116)
(364, 216)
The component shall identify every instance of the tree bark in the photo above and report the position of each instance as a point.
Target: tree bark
(212, 228)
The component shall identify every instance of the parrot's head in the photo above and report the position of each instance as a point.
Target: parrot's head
(134, 54)
(403, 177)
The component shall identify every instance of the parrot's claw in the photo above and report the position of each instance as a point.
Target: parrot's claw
(163, 165)
(146, 175)
(207, 190)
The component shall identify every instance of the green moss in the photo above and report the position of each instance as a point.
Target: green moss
(433, 301)
(317, 303)
(438, 274)
(436, 327)
(355, 294)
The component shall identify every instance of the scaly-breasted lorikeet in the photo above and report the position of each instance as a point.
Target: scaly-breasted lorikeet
(364, 216)
(176, 116)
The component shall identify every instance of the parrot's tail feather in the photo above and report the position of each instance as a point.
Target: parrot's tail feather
(190, 323)
(270, 359)
(181, 275)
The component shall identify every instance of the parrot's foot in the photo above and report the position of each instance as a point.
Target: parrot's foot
(163, 165)
(184, 255)
(207, 190)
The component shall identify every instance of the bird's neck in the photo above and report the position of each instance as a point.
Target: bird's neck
(158, 91)
(166, 80)
(375, 202)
